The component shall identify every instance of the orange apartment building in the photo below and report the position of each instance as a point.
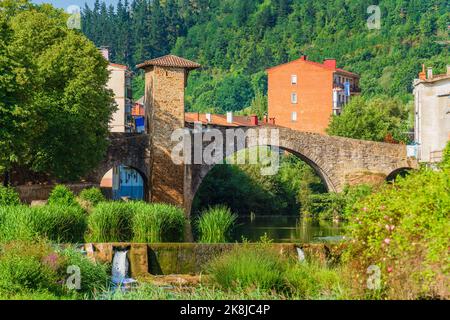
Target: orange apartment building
(303, 94)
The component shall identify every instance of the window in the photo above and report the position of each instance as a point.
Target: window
(294, 79)
(294, 116)
(293, 97)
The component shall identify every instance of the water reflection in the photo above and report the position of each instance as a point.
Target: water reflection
(287, 229)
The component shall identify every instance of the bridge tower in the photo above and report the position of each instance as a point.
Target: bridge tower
(165, 82)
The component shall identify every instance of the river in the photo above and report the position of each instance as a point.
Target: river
(287, 229)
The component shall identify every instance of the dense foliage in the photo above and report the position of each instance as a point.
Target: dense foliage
(54, 105)
(92, 195)
(38, 270)
(62, 195)
(236, 41)
(8, 196)
(378, 119)
(404, 230)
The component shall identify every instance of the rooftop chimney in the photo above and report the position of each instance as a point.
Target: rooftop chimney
(105, 52)
(208, 117)
(430, 73)
(422, 74)
(229, 117)
(254, 120)
(304, 58)
(330, 63)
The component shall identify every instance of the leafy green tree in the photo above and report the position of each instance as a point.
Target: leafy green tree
(371, 119)
(55, 103)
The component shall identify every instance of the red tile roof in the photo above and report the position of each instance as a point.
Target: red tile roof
(219, 120)
(170, 61)
(121, 66)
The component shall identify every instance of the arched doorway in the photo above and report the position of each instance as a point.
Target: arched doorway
(123, 182)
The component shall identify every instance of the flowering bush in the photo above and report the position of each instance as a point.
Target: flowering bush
(404, 230)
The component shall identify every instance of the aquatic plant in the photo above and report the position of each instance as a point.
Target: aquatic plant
(54, 222)
(110, 222)
(215, 224)
(157, 222)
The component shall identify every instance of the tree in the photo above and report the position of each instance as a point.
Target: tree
(55, 104)
(373, 119)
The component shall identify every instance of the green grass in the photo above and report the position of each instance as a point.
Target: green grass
(111, 222)
(55, 222)
(215, 224)
(248, 266)
(260, 267)
(157, 223)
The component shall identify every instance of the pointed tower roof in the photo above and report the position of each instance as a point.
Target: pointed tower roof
(170, 61)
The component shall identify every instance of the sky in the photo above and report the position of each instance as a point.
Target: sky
(64, 4)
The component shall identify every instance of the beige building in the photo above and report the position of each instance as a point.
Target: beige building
(432, 114)
(120, 83)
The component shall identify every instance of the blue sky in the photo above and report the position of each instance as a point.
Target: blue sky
(66, 3)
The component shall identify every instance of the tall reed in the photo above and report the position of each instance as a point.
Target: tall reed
(157, 222)
(55, 222)
(215, 224)
(111, 222)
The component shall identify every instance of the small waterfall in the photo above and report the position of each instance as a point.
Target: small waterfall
(120, 266)
(301, 254)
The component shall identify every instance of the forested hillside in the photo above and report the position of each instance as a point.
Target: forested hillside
(237, 40)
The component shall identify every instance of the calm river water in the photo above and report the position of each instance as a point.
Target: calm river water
(287, 229)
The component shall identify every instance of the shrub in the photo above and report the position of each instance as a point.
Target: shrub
(57, 223)
(111, 222)
(95, 277)
(249, 267)
(92, 195)
(61, 195)
(37, 270)
(8, 197)
(215, 224)
(29, 266)
(404, 230)
(157, 223)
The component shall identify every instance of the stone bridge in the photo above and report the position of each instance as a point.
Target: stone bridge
(338, 161)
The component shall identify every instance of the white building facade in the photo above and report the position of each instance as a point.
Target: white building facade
(432, 114)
